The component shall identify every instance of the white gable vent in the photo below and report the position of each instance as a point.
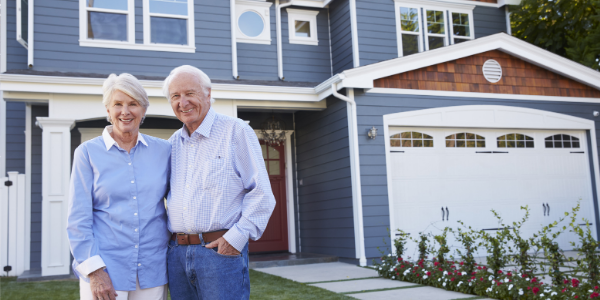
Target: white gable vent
(492, 71)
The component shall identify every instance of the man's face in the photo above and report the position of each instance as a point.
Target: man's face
(188, 101)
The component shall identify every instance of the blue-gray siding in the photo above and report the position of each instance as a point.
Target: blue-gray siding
(257, 61)
(306, 62)
(36, 188)
(15, 137)
(372, 107)
(341, 35)
(57, 43)
(16, 53)
(376, 24)
(489, 20)
(325, 193)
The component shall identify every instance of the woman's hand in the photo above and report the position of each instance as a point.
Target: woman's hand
(101, 285)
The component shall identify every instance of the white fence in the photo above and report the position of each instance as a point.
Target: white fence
(13, 220)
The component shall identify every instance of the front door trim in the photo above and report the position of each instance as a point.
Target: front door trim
(483, 116)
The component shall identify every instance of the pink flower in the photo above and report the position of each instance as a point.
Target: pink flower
(399, 259)
(499, 271)
(535, 290)
(575, 282)
(534, 280)
(452, 279)
(462, 263)
(428, 273)
(436, 263)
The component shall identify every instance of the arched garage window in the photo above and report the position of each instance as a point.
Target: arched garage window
(562, 141)
(411, 139)
(515, 140)
(465, 140)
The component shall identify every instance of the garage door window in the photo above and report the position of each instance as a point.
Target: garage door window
(515, 140)
(411, 139)
(562, 141)
(465, 140)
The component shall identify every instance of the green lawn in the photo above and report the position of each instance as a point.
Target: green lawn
(263, 286)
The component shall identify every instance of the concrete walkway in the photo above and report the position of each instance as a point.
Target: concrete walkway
(360, 283)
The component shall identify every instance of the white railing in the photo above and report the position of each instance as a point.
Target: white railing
(12, 224)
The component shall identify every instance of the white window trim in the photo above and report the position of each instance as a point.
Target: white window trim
(302, 15)
(399, 26)
(19, 29)
(423, 6)
(262, 8)
(130, 43)
(451, 25)
(170, 47)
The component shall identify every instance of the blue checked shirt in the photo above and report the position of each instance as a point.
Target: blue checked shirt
(219, 181)
(117, 216)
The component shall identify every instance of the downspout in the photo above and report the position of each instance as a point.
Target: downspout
(357, 208)
(30, 34)
(354, 29)
(507, 12)
(278, 8)
(234, 64)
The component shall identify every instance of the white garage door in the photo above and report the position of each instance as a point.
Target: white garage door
(462, 174)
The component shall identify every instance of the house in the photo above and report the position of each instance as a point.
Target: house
(407, 114)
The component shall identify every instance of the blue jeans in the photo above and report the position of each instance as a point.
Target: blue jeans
(196, 272)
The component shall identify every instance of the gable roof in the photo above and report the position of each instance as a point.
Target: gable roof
(364, 77)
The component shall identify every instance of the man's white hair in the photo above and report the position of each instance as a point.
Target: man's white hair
(127, 84)
(187, 69)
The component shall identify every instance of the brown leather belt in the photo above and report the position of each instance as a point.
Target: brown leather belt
(194, 239)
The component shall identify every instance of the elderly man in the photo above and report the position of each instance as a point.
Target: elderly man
(220, 194)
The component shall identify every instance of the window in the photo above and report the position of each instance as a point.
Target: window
(168, 22)
(465, 140)
(409, 41)
(253, 22)
(435, 33)
(423, 25)
(168, 25)
(22, 22)
(302, 26)
(462, 26)
(515, 140)
(411, 139)
(562, 141)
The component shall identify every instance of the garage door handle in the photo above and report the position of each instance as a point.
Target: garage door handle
(544, 205)
(548, 205)
(447, 214)
(484, 152)
(500, 151)
(443, 214)
(581, 152)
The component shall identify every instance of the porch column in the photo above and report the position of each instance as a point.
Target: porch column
(56, 169)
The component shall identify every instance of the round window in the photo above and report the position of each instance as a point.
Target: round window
(251, 24)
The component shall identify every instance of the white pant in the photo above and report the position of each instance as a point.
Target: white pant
(155, 293)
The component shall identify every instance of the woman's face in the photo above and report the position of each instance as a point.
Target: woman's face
(126, 113)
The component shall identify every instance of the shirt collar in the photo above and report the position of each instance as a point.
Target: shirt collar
(205, 127)
(109, 141)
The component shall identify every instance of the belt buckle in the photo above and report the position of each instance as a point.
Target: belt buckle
(183, 239)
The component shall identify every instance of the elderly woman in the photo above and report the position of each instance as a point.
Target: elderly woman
(117, 223)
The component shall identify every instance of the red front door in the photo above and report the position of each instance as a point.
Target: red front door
(275, 237)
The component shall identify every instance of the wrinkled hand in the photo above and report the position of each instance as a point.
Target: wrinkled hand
(223, 247)
(101, 286)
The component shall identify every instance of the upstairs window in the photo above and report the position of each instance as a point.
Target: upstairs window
(168, 25)
(411, 139)
(562, 141)
(515, 140)
(428, 25)
(409, 41)
(302, 26)
(168, 22)
(253, 22)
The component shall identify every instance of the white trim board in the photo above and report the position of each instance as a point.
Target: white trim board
(480, 95)
(484, 116)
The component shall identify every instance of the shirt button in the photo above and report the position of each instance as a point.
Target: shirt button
(134, 197)
(136, 230)
(185, 208)
(132, 181)
(129, 164)
(139, 265)
(189, 230)
(187, 186)
(136, 246)
(135, 214)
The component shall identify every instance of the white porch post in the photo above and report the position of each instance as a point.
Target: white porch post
(56, 167)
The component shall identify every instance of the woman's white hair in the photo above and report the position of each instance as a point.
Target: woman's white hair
(187, 69)
(127, 84)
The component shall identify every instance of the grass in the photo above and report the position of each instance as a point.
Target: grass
(263, 286)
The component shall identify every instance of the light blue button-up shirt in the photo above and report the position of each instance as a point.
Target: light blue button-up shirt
(117, 216)
(219, 181)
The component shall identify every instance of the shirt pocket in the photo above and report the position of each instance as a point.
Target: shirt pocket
(215, 173)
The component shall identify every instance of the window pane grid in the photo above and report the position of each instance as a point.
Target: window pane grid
(460, 24)
(515, 140)
(411, 139)
(409, 19)
(465, 140)
(562, 141)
